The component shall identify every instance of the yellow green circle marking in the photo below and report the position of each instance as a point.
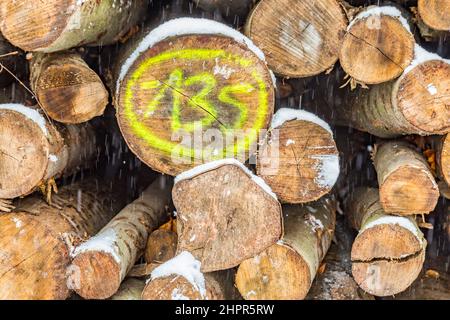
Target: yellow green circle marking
(176, 81)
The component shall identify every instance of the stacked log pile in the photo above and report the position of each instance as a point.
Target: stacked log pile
(221, 149)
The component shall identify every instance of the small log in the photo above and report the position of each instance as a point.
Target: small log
(377, 46)
(216, 203)
(33, 151)
(435, 14)
(406, 183)
(299, 38)
(37, 239)
(299, 159)
(415, 103)
(105, 259)
(389, 251)
(200, 79)
(68, 90)
(180, 279)
(130, 289)
(286, 269)
(161, 246)
(56, 25)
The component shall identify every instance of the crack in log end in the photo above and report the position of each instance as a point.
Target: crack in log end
(391, 259)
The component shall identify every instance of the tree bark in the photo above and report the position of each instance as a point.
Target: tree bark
(104, 260)
(33, 151)
(68, 90)
(216, 203)
(37, 239)
(406, 183)
(286, 269)
(376, 47)
(299, 159)
(389, 251)
(57, 25)
(161, 246)
(415, 103)
(299, 38)
(173, 95)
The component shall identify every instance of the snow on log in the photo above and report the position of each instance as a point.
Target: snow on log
(298, 159)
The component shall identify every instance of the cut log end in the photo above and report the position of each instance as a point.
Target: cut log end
(24, 25)
(188, 85)
(423, 96)
(24, 151)
(304, 42)
(376, 49)
(435, 13)
(89, 271)
(69, 91)
(161, 246)
(409, 190)
(230, 222)
(277, 273)
(36, 263)
(386, 259)
(305, 164)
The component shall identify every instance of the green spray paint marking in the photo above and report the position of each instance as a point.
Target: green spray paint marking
(175, 84)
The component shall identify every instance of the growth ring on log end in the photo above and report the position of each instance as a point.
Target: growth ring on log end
(300, 38)
(422, 95)
(435, 13)
(190, 79)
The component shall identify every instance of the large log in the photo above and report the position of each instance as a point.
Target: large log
(377, 46)
(181, 279)
(37, 239)
(189, 81)
(104, 260)
(443, 158)
(286, 269)
(300, 38)
(435, 14)
(298, 159)
(389, 251)
(415, 103)
(225, 214)
(67, 89)
(34, 151)
(406, 183)
(56, 25)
